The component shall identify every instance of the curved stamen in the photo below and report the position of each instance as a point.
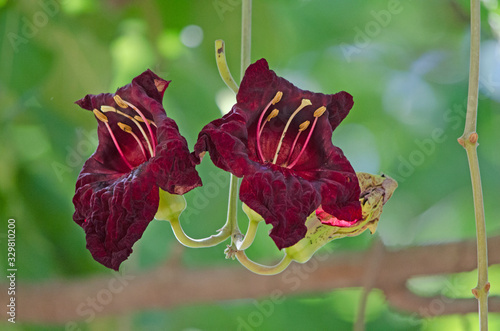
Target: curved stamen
(274, 101)
(103, 118)
(120, 102)
(269, 117)
(303, 104)
(317, 114)
(302, 127)
(105, 109)
(128, 129)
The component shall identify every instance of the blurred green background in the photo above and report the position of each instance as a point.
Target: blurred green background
(406, 70)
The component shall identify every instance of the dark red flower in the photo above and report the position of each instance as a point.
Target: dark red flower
(278, 138)
(140, 149)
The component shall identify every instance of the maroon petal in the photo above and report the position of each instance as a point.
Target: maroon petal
(173, 166)
(226, 141)
(260, 84)
(114, 212)
(283, 200)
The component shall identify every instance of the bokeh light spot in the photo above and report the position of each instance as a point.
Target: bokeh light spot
(225, 99)
(192, 36)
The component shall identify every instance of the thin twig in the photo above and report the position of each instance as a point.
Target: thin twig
(469, 141)
(246, 35)
(370, 278)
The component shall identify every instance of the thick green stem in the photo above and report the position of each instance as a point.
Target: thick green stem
(170, 208)
(469, 141)
(249, 236)
(187, 241)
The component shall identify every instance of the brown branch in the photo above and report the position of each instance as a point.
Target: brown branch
(60, 301)
(403, 299)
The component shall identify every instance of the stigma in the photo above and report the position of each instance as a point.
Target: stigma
(305, 127)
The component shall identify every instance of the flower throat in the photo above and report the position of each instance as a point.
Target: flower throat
(302, 127)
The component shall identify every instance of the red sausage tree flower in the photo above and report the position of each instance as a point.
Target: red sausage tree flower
(140, 150)
(278, 138)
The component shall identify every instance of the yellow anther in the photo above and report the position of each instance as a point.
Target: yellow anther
(119, 101)
(100, 116)
(272, 115)
(277, 98)
(320, 111)
(125, 127)
(304, 126)
(105, 109)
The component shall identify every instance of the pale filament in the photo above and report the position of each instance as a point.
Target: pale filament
(113, 109)
(317, 114)
(139, 119)
(120, 102)
(100, 116)
(271, 115)
(302, 128)
(128, 129)
(303, 104)
(274, 101)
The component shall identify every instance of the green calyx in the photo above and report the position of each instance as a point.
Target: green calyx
(171, 206)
